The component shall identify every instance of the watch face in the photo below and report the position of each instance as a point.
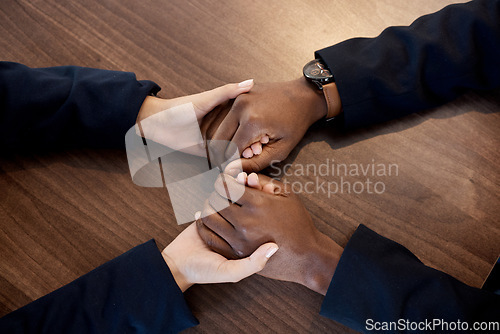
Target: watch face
(316, 71)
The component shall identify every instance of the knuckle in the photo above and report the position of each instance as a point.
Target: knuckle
(238, 252)
(260, 266)
(242, 248)
(243, 231)
(281, 154)
(240, 103)
(255, 165)
(252, 119)
(229, 88)
(243, 251)
(201, 230)
(212, 244)
(234, 254)
(208, 221)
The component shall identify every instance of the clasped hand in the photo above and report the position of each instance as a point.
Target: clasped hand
(234, 243)
(269, 212)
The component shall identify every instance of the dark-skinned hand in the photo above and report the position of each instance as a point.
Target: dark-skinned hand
(275, 114)
(268, 212)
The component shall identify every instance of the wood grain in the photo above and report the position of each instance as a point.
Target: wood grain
(62, 214)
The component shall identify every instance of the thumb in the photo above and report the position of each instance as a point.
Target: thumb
(208, 100)
(236, 270)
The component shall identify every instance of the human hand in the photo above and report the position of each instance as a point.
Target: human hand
(192, 262)
(269, 212)
(280, 111)
(211, 122)
(175, 122)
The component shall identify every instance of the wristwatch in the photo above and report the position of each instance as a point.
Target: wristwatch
(317, 72)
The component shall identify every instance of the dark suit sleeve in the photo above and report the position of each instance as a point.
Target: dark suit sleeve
(67, 106)
(408, 69)
(134, 293)
(379, 279)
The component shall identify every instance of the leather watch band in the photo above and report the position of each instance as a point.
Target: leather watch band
(332, 100)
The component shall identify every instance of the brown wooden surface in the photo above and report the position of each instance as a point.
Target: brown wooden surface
(63, 214)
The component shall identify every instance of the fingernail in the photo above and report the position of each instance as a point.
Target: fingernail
(264, 140)
(245, 83)
(256, 148)
(271, 252)
(197, 215)
(247, 153)
(253, 179)
(241, 178)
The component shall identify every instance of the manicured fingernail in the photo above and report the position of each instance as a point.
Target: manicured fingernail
(256, 148)
(241, 178)
(271, 252)
(253, 179)
(197, 215)
(245, 83)
(247, 153)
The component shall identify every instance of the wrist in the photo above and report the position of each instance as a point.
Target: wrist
(179, 277)
(323, 260)
(314, 99)
(150, 106)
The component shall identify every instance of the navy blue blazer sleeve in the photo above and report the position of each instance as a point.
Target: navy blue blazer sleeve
(67, 106)
(133, 293)
(379, 279)
(424, 65)
(47, 108)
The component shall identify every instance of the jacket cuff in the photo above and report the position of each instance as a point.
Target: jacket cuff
(379, 280)
(134, 292)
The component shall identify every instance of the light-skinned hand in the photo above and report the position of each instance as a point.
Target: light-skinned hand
(191, 261)
(176, 123)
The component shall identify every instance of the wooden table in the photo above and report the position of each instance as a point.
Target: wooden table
(62, 214)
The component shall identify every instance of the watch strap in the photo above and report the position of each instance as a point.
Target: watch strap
(332, 100)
